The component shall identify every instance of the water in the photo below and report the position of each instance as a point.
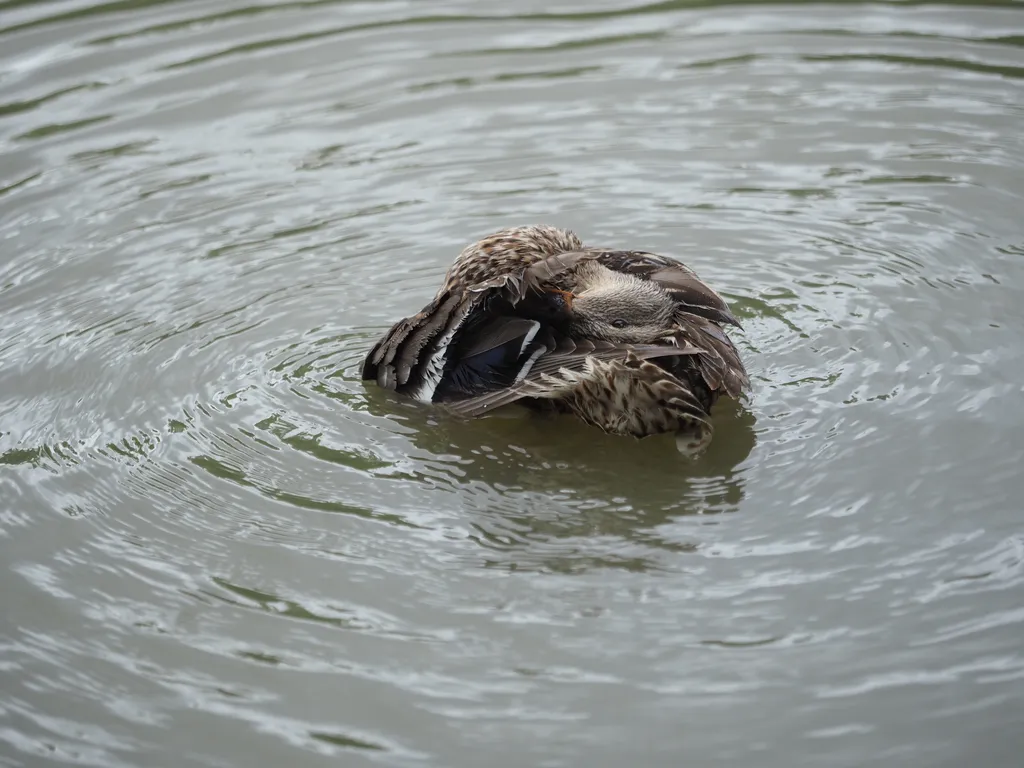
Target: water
(220, 548)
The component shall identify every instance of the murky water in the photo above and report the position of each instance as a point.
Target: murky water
(219, 548)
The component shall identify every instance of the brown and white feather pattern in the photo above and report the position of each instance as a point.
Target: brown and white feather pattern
(499, 330)
(509, 251)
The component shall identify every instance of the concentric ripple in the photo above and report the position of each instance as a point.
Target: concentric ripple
(219, 547)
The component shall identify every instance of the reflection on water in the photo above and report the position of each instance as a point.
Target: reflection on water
(220, 547)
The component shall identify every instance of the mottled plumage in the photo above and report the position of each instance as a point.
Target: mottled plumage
(630, 342)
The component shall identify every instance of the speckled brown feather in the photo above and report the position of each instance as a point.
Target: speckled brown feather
(623, 389)
(636, 397)
(508, 251)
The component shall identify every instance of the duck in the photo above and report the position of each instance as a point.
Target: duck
(630, 342)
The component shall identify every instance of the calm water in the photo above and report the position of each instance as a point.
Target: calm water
(218, 548)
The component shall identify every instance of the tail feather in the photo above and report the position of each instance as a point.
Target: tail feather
(719, 362)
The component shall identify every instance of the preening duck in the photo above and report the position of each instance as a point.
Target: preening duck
(628, 341)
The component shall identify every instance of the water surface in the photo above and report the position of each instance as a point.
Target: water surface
(218, 547)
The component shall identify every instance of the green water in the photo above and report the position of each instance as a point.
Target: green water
(218, 547)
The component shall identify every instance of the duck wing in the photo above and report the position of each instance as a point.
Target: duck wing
(553, 368)
(411, 356)
(470, 338)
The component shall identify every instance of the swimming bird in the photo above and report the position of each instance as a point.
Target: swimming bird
(628, 341)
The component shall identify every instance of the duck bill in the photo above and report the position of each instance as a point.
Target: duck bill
(567, 297)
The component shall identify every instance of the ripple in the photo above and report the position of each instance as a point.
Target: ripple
(210, 526)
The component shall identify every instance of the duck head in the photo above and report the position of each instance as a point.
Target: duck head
(617, 307)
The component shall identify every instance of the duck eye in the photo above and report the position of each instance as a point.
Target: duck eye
(618, 323)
